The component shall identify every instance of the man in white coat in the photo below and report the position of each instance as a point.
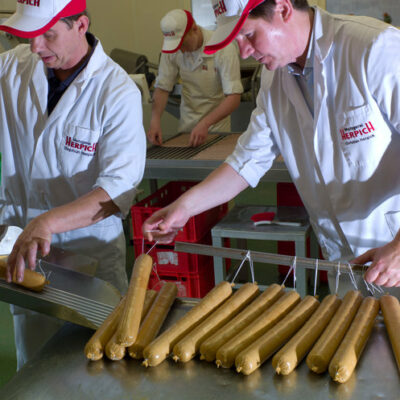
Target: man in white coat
(73, 149)
(332, 110)
(211, 85)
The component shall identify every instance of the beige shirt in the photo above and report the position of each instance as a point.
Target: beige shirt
(206, 79)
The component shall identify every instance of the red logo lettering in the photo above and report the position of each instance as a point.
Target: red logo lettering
(369, 126)
(219, 8)
(35, 3)
(79, 145)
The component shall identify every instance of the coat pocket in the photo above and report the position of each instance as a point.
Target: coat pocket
(364, 138)
(393, 221)
(78, 150)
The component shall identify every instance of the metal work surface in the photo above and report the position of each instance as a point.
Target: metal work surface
(70, 296)
(172, 163)
(179, 153)
(60, 371)
(238, 223)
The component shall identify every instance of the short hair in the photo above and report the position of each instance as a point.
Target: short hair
(266, 9)
(70, 20)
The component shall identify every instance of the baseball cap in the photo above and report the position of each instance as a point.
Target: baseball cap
(230, 15)
(34, 17)
(174, 26)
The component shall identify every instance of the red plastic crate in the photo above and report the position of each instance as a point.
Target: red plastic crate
(168, 261)
(189, 285)
(196, 227)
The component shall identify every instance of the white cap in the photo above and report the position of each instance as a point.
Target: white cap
(174, 26)
(35, 17)
(230, 15)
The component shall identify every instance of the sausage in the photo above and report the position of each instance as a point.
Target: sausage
(159, 349)
(227, 353)
(115, 351)
(391, 314)
(287, 359)
(97, 343)
(321, 354)
(347, 355)
(209, 347)
(154, 320)
(95, 346)
(32, 280)
(254, 355)
(129, 323)
(148, 302)
(189, 345)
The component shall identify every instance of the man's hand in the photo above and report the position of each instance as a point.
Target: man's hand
(155, 134)
(198, 135)
(35, 238)
(165, 224)
(385, 267)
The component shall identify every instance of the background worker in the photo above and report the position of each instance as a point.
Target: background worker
(211, 84)
(332, 110)
(73, 149)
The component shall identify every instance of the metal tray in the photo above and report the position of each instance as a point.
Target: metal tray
(61, 371)
(71, 296)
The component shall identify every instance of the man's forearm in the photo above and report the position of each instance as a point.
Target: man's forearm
(160, 100)
(84, 211)
(222, 185)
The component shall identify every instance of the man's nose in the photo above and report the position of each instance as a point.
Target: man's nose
(36, 44)
(245, 48)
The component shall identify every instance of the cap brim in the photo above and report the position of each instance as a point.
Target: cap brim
(171, 46)
(225, 34)
(26, 26)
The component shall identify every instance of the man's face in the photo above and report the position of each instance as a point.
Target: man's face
(269, 42)
(190, 42)
(59, 46)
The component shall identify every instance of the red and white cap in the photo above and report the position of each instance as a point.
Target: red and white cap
(35, 17)
(230, 15)
(174, 26)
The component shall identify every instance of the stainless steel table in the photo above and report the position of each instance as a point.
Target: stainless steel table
(60, 371)
(176, 164)
(237, 224)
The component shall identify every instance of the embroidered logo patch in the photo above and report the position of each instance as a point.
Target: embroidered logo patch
(358, 133)
(80, 146)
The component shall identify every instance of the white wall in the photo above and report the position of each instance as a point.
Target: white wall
(131, 24)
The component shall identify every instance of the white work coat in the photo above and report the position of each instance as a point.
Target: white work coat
(206, 79)
(93, 138)
(344, 160)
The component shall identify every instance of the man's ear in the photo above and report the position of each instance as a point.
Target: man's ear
(284, 8)
(83, 24)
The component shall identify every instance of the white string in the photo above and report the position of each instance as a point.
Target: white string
(246, 257)
(156, 271)
(369, 288)
(292, 268)
(352, 278)
(294, 273)
(315, 276)
(152, 247)
(377, 288)
(251, 264)
(373, 285)
(39, 266)
(337, 278)
(142, 246)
